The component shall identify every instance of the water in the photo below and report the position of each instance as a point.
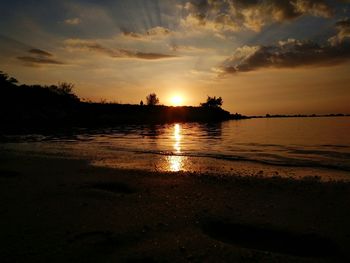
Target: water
(283, 146)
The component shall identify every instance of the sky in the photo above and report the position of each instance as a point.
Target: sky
(260, 56)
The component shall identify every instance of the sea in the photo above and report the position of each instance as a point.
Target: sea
(317, 148)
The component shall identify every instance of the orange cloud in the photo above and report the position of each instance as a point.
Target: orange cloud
(151, 34)
(235, 15)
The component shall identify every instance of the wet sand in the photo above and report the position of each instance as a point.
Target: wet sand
(61, 210)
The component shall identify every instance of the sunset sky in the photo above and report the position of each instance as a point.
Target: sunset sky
(267, 56)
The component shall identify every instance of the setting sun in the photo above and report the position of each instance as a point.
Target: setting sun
(176, 101)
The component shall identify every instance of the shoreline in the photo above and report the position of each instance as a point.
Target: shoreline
(58, 209)
(171, 163)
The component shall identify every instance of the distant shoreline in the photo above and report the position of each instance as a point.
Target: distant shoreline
(267, 116)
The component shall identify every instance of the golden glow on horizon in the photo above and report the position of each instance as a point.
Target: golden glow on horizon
(177, 100)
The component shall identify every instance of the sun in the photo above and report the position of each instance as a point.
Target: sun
(176, 100)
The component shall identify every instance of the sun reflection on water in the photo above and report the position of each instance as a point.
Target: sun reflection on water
(176, 162)
(177, 138)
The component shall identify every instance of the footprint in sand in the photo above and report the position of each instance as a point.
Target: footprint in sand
(112, 187)
(9, 174)
(103, 241)
(272, 240)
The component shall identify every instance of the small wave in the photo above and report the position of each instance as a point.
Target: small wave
(335, 146)
(332, 154)
(269, 159)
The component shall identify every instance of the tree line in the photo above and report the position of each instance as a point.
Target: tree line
(65, 89)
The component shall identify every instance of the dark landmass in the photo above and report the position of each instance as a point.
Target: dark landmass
(61, 210)
(52, 106)
(300, 115)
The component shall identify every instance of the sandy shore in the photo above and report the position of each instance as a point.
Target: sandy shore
(60, 210)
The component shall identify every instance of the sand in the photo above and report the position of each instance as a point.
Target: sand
(63, 210)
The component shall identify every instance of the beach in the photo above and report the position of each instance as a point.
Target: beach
(175, 131)
(65, 210)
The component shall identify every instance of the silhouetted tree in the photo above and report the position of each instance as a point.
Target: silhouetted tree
(5, 79)
(213, 102)
(152, 99)
(64, 89)
(141, 102)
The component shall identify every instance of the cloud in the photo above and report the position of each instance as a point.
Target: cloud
(84, 45)
(291, 53)
(235, 15)
(39, 60)
(158, 31)
(343, 27)
(187, 48)
(29, 55)
(151, 34)
(72, 21)
(39, 57)
(285, 54)
(143, 55)
(40, 52)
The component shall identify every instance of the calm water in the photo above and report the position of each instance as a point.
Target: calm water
(282, 144)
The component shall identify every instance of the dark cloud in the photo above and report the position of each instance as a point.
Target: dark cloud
(40, 52)
(31, 56)
(343, 27)
(235, 15)
(286, 54)
(78, 44)
(143, 55)
(39, 60)
(39, 57)
(292, 53)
